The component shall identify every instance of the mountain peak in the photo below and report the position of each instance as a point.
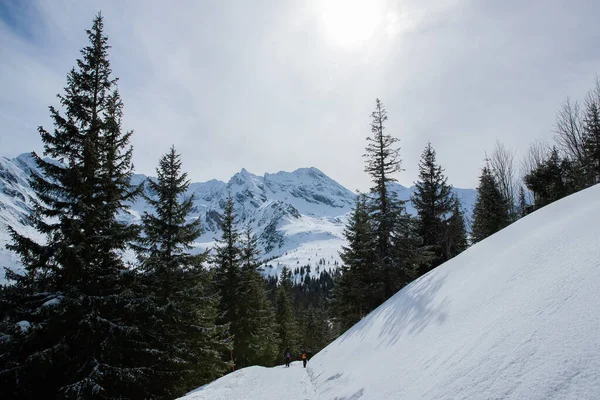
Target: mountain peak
(309, 170)
(287, 210)
(26, 159)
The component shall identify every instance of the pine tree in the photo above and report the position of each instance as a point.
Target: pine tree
(408, 251)
(316, 328)
(287, 325)
(434, 202)
(178, 304)
(228, 274)
(383, 160)
(591, 142)
(256, 342)
(554, 179)
(358, 290)
(74, 338)
(454, 238)
(490, 213)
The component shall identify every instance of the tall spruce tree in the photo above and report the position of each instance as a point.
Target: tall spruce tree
(180, 308)
(383, 160)
(287, 325)
(316, 328)
(228, 274)
(357, 292)
(434, 202)
(409, 254)
(591, 142)
(490, 213)
(257, 341)
(70, 335)
(552, 180)
(454, 238)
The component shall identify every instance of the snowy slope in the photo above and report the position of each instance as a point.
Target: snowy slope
(516, 316)
(299, 216)
(279, 383)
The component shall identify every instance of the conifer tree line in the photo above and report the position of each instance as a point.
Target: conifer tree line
(572, 163)
(81, 323)
(387, 248)
(547, 172)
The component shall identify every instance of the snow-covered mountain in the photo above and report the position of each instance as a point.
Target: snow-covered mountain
(16, 204)
(299, 216)
(516, 316)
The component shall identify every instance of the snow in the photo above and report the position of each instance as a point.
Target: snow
(259, 383)
(314, 242)
(299, 216)
(24, 325)
(516, 316)
(53, 302)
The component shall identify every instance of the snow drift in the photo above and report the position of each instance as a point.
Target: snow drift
(516, 316)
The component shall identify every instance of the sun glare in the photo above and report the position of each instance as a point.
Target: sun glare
(350, 23)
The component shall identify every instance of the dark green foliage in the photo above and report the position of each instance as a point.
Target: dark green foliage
(591, 142)
(454, 238)
(244, 303)
(554, 179)
(577, 165)
(228, 271)
(287, 325)
(75, 293)
(434, 202)
(167, 235)
(311, 306)
(385, 249)
(179, 309)
(490, 213)
(256, 342)
(358, 290)
(316, 328)
(309, 290)
(383, 159)
(408, 252)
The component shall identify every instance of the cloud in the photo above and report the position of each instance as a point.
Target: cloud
(260, 85)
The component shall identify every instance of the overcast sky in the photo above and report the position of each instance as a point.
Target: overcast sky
(280, 85)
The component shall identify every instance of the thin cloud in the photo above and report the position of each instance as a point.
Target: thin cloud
(260, 85)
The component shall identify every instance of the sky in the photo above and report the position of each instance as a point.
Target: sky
(285, 84)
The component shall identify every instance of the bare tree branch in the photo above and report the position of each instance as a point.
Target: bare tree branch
(569, 131)
(536, 154)
(502, 163)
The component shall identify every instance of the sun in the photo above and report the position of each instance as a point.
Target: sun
(350, 23)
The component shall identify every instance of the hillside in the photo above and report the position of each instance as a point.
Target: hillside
(516, 316)
(299, 216)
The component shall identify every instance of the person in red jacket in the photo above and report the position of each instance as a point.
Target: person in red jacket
(304, 358)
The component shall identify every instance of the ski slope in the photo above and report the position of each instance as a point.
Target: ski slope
(516, 316)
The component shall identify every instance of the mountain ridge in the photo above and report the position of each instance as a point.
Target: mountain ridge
(298, 216)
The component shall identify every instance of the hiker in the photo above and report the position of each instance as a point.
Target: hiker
(288, 357)
(304, 358)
